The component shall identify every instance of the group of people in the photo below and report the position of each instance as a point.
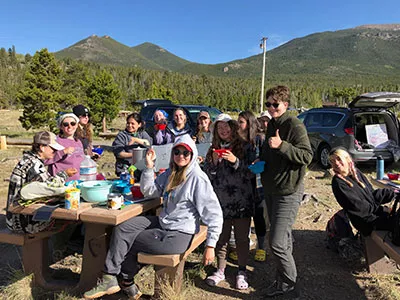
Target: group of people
(134, 135)
(221, 192)
(54, 159)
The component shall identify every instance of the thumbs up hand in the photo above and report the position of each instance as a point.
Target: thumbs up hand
(275, 141)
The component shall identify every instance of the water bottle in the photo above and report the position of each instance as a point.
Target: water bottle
(88, 169)
(379, 168)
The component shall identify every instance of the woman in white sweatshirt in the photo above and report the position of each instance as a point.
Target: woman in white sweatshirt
(188, 197)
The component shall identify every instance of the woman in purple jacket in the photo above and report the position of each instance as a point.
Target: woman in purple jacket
(73, 153)
(161, 135)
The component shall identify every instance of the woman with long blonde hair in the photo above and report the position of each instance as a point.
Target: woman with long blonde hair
(188, 197)
(356, 195)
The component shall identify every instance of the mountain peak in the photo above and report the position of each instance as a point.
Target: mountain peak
(367, 49)
(380, 26)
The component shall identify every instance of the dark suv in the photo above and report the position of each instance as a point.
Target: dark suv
(151, 105)
(367, 129)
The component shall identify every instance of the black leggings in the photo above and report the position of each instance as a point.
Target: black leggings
(259, 220)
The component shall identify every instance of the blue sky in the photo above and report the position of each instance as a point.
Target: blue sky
(199, 31)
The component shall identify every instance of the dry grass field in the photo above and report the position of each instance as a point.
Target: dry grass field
(323, 274)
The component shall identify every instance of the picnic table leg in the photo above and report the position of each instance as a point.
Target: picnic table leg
(377, 263)
(35, 260)
(35, 257)
(94, 254)
(171, 275)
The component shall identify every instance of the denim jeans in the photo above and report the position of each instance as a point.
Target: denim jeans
(282, 212)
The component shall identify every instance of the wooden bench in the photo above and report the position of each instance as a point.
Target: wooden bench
(35, 253)
(170, 267)
(377, 245)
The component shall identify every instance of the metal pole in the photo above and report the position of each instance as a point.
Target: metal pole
(263, 46)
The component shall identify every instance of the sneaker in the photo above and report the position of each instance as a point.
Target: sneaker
(215, 278)
(241, 281)
(132, 291)
(260, 255)
(106, 285)
(233, 255)
(279, 288)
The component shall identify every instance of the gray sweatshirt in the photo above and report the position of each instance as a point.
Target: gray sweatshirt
(192, 201)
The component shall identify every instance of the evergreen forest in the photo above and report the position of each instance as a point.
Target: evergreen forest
(43, 86)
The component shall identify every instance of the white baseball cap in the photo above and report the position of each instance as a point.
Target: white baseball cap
(265, 113)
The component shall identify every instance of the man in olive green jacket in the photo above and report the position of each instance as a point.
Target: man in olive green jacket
(287, 152)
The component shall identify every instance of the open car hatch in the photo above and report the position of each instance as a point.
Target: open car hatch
(376, 100)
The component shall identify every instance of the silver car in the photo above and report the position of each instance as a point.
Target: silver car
(366, 128)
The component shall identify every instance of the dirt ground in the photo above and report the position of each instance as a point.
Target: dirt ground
(322, 273)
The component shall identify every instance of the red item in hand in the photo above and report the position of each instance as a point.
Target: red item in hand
(221, 151)
(136, 193)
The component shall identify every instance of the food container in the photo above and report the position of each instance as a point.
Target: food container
(136, 193)
(72, 198)
(257, 167)
(95, 191)
(115, 201)
(121, 187)
(138, 157)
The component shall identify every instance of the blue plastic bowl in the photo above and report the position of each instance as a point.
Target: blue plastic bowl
(98, 150)
(258, 167)
(95, 191)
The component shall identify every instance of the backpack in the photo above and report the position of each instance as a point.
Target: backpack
(337, 228)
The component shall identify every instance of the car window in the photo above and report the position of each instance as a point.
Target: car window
(148, 112)
(314, 120)
(194, 111)
(302, 117)
(331, 119)
(213, 113)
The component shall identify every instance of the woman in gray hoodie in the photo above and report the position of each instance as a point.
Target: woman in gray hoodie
(188, 197)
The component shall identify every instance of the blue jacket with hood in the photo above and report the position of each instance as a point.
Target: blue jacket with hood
(191, 201)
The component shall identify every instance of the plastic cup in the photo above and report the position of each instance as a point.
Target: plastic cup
(136, 193)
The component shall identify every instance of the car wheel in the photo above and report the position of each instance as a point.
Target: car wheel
(323, 156)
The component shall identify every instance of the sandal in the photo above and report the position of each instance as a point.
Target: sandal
(215, 278)
(241, 281)
(260, 255)
(233, 255)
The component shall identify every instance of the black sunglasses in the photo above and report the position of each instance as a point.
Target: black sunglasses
(185, 153)
(275, 105)
(66, 124)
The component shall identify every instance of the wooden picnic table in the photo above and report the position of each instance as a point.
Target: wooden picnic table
(379, 243)
(382, 183)
(98, 222)
(58, 213)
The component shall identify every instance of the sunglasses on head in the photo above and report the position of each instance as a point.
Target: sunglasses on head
(66, 124)
(185, 153)
(275, 105)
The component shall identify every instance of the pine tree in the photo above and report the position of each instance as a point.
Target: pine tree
(40, 96)
(103, 98)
